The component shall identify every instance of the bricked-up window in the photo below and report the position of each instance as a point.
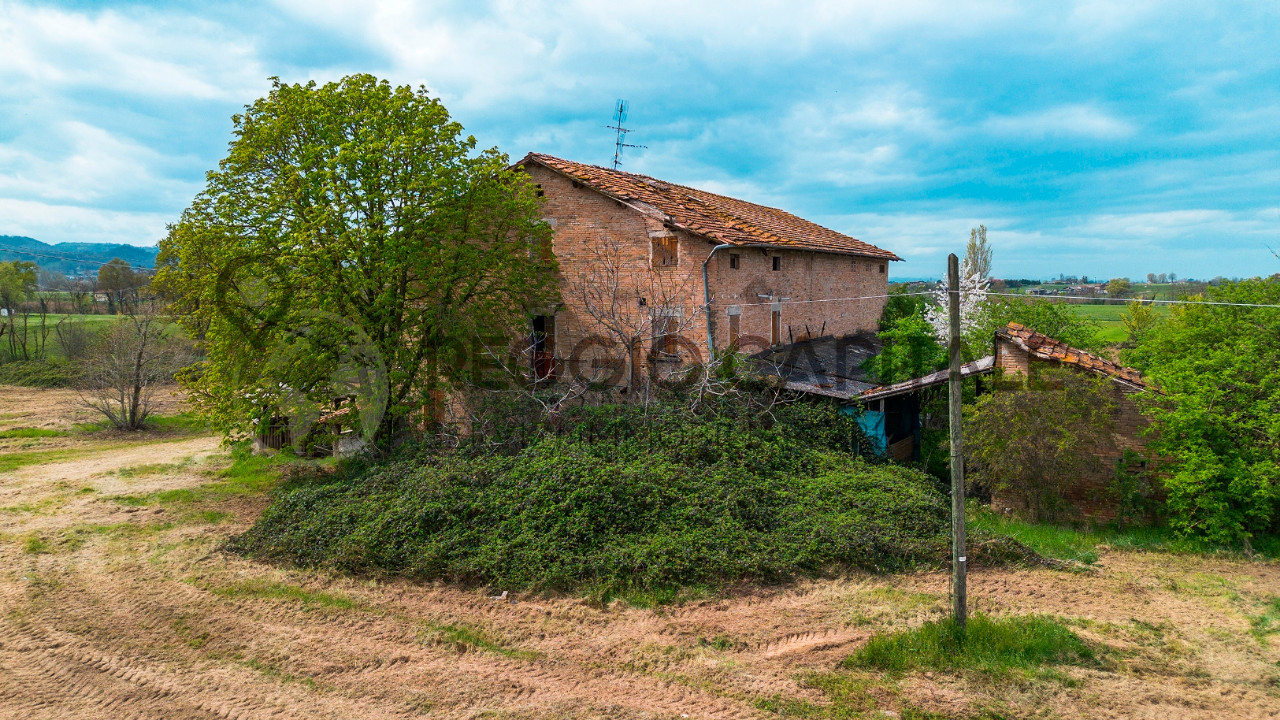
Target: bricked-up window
(777, 262)
(733, 261)
(666, 251)
(665, 330)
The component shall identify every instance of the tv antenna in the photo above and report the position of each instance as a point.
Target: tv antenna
(619, 117)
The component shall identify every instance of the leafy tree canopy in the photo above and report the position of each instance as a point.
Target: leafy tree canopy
(1118, 287)
(352, 242)
(17, 282)
(1218, 420)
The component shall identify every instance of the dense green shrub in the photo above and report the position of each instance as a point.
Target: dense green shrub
(1216, 421)
(619, 499)
(1032, 441)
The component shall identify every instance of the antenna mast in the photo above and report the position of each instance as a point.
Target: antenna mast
(620, 133)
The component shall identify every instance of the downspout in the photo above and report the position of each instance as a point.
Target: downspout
(706, 296)
(706, 288)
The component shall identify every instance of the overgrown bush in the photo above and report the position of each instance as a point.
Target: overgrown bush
(1031, 441)
(619, 499)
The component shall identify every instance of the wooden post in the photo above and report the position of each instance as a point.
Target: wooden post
(958, 580)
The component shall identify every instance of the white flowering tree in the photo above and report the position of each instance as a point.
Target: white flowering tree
(973, 297)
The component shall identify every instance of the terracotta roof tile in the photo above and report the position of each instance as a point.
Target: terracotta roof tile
(1047, 348)
(716, 217)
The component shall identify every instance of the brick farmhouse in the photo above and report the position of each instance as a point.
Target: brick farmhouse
(675, 272)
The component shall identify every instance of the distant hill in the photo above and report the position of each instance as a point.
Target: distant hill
(79, 258)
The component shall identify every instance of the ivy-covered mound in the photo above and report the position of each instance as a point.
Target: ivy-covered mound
(623, 500)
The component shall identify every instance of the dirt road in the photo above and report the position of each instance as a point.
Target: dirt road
(117, 602)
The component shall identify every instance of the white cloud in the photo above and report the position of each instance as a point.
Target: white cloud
(149, 54)
(1084, 121)
(72, 223)
(549, 52)
(78, 163)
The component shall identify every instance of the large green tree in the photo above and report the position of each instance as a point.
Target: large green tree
(1217, 421)
(353, 242)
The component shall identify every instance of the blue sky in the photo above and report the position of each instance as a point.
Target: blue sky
(1097, 138)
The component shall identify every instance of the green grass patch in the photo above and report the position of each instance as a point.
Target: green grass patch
(848, 696)
(187, 422)
(648, 508)
(1268, 622)
(31, 433)
(35, 545)
(991, 647)
(189, 634)
(14, 460)
(38, 373)
(1111, 328)
(310, 599)
(462, 637)
(1084, 544)
(248, 474)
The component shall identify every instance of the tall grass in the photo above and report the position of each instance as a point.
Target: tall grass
(992, 647)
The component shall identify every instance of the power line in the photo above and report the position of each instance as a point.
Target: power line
(824, 300)
(1142, 300)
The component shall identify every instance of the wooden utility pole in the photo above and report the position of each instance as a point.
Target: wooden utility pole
(958, 581)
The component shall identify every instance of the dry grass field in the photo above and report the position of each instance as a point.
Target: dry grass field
(117, 601)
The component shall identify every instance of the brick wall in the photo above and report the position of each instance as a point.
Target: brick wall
(754, 287)
(1090, 496)
(592, 229)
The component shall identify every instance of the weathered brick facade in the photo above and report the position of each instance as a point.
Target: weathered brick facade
(631, 260)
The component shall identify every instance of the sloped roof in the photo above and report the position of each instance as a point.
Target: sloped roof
(981, 366)
(715, 217)
(1042, 346)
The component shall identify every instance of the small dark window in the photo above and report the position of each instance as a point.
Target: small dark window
(541, 192)
(882, 267)
(733, 261)
(777, 262)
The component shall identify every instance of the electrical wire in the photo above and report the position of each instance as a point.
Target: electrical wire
(824, 300)
(1142, 300)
